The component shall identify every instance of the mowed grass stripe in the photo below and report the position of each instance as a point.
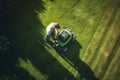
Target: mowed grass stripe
(103, 59)
(114, 35)
(116, 48)
(100, 57)
(88, 52)
(113, 69)
(111, 13)
(97, 31)
(94, 20)
(109, 59)
(103, 36)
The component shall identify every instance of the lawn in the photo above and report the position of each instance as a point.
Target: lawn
(95, 53)
(96, 27)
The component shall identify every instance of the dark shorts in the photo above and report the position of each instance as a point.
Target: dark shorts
(52, 35)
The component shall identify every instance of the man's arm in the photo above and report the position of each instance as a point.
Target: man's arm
(56, 31)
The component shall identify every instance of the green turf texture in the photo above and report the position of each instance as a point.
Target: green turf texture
(96, 50)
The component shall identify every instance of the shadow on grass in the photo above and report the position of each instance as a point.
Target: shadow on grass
(47, 64)
(73, 58)
(20, 24)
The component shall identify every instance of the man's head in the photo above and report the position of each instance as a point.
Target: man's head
(57, 26)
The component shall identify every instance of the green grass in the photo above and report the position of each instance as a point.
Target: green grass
(27, 65)
(95, 54)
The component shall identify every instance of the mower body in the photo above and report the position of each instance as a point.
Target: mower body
(65, 36)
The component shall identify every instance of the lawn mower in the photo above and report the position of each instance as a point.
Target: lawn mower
(64, 37)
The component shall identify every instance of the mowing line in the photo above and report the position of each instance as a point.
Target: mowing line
(109, 75)
(94, 39)
(86, 51)
(97, 33)
(100, 50)
(106, 23)
(100, 66)
(115, 35)
(113, 53)
(111, 42)
(92, 33)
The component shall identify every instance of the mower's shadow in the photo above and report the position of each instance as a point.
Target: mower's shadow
(72, 55)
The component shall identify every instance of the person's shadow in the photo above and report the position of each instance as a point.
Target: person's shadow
(73, 56)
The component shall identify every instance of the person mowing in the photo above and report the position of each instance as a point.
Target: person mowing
(51, 30)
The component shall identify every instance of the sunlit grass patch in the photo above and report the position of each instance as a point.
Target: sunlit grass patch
(27, 65)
